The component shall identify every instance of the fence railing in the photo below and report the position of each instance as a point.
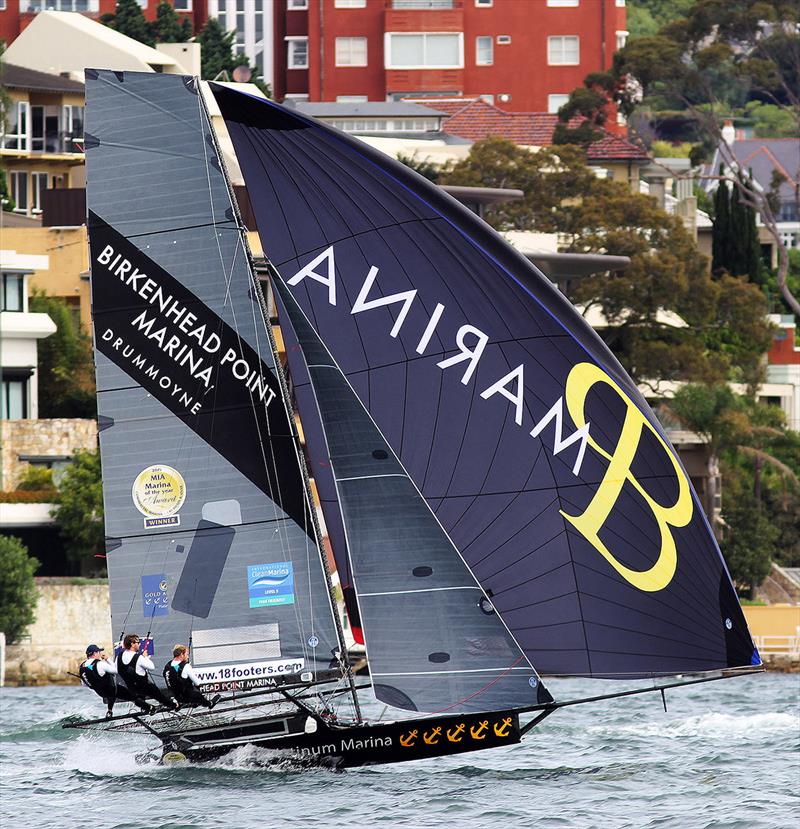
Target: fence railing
(778, 645)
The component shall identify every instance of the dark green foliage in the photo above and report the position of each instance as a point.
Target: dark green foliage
(217, 51)
(17, 588)
(750, 540)
(129, 20)
(425, 168)
(646, 17)
(169, 26)
(66, 373)
(726, 330)
(735, 246)
(80, 511)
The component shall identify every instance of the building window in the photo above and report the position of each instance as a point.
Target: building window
(297, 5)
(298, 53)
(61, 5)
(563, 50)
(46, 129)
(423, 50)
(38, 186)
(622, 38)
(351, 99)
(17, 136)
(13, 298)
(182, 5)
(562, 3)
(485, 4)
(351, 51)
(503, 40)
(422, 4)
(620, 4)
(72, 119)
(2, 5)
(19, 190)
(15, 395)
(350, 4)
(484, 50)
(555, 102)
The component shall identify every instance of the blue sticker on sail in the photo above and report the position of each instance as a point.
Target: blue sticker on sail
(155, 601)
(270, 584)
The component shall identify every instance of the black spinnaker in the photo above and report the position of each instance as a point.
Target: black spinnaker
(537, 454)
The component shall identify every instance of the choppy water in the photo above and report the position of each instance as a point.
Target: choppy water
(727, 754)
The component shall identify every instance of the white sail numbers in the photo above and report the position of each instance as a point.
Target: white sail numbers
(470, 343)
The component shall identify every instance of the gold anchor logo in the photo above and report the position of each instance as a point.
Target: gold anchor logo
(408, 740)
(432, 737)
(455, 734)
(477, 731)
(501, 728)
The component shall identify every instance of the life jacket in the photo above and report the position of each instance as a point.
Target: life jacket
(129, 675)
(102, 685)
(180, 685)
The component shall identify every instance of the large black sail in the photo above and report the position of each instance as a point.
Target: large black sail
(458, 656)
(536, 452)
(209, 525)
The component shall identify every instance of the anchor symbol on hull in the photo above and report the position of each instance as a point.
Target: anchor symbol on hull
(501, 728)
(455, 734)
(408, 740)
(432, 737)
(477, 732)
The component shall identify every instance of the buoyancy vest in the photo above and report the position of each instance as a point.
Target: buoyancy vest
(101, 685)
(134, 681)
(180, 685)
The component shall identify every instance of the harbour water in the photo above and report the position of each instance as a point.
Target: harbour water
(725, 754)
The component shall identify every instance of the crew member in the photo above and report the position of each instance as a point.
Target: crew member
(97, 673)
(182, 681)
(133, 667)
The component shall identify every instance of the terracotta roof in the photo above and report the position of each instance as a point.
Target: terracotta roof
(475, 119)
(19, 77)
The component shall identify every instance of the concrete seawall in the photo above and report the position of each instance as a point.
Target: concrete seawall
(73, 612)
(70, 614)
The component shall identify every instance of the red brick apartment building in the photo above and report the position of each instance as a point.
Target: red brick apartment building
(16, 14)
(524, 55)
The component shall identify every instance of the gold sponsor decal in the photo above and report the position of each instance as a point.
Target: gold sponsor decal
(458, 733)
(158, 493)
(582, 378)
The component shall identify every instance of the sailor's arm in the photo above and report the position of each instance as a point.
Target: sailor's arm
(105, 666)
(145, 663)
(189, 673)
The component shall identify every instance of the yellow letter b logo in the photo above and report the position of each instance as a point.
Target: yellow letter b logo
(580, 381)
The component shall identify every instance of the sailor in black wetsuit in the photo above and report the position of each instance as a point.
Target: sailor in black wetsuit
(98, 673)
(133, 666)
(182, 680)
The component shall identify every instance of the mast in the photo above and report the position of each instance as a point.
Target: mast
(255, 285)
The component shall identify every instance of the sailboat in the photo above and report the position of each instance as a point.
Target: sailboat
(501, 503)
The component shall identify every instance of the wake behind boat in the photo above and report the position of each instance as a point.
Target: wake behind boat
(500, 501)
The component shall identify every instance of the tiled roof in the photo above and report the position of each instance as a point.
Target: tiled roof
(19, 77)
(760, 156)
(475, 119)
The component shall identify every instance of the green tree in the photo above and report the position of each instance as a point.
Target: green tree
(771, 121)
(735, 246)
(66, 374)
(217, 51)
(80, 510)
(17, 588)
(427, 169)
(749, 541)
(721, 55)
(129, 20)
(169, 26)
(646, 17)
(563, 195)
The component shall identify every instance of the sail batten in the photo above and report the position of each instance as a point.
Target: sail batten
(484, 380)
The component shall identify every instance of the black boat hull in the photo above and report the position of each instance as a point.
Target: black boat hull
(338, 746)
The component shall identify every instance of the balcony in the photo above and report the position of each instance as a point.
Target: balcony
(424, 16)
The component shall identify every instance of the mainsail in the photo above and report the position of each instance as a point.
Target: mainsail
(210, 529)
(537, 454)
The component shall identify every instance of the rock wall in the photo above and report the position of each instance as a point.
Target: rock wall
(57, 437)
(70, 614)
